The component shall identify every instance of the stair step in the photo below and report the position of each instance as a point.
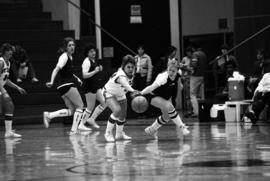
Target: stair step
(23, 35)
(37, 98)
(12, 1)
(34, 114)
(31, 87)
(26, 25)
(19, 6)
(17, 18)
(26, 14)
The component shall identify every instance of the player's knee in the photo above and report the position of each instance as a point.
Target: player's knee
(9, 108)
(79, 106)
(117, 112)
(168, 106)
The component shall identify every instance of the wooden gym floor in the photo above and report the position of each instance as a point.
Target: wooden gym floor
(213, 151)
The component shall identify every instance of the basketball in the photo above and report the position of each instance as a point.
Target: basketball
(139, 104)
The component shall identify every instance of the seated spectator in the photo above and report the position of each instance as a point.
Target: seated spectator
(143, 70)
(258, 71)
(21, 67)
(260, 98)
(223, 68)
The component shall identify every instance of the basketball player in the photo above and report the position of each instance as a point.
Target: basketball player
(115, 95)
(91, 72)
(66, 87)
(161, 91)
(8, 106)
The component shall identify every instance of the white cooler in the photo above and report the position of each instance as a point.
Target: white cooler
(217, 112)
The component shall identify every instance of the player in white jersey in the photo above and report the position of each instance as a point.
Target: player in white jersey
(115, 95)
(7, 104)
(161, 92)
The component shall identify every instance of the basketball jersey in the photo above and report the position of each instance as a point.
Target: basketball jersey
(166, 85)
(96, 79)
(65, 74)
(115, 88)
(5, 71)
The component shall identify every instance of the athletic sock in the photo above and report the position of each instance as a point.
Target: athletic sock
(98, 110)
(60, 113)
(176, 118)
(76, 119)
(85, 115)
(8, 122)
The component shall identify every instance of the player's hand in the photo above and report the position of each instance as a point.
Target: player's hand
(97, 69)
(135, 93)
(49, 84)
(80, 81)
(100, 68)
(22, 91)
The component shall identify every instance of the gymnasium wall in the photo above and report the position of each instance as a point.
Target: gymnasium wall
(61, 10)
(202, 16)
(154, 31)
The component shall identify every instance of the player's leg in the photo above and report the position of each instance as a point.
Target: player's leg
(8, 108)
(113, 104)
(98, 110)
(48, 116)
(74, 96)
(120, 134)
(90, 101)
(161, 120)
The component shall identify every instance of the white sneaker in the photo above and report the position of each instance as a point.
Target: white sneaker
(71, 133)
(122, 135)
(246, 119)
(46, 119)
(247, 123)
(19, 80)
(150, 130)
(12, 134)
(109, 137)
(93, 123)
(185, 130)
(83, 133)
(82, 127)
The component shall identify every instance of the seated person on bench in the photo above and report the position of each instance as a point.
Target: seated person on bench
(261, 98)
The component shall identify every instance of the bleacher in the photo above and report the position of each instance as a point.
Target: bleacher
(23, 22)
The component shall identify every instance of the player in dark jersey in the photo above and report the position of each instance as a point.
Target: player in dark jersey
(66, 87)
(92, 83)
(7, 104)
(161, 91)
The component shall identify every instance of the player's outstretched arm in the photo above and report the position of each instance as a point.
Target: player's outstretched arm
(149, 88)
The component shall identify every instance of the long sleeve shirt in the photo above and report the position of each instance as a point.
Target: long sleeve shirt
(144, 66)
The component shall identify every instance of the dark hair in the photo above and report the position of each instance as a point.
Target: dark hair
(5, 47)
(266, 66)
(171, 49)
(224, 46)
(89, 47)
(189, 49)
(261, 51)
(65, 42)
(140, 45)
(127, 59)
